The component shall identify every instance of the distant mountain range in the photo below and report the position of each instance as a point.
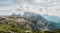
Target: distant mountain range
(54, 19)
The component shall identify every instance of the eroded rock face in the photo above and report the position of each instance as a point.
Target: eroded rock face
(38, 22)
(32, 21)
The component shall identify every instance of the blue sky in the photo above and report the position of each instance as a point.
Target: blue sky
(5, 6)
(7, 2)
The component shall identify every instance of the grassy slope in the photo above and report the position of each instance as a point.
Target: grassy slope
(17, 28)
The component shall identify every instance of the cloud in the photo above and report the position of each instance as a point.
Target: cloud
(50, 7)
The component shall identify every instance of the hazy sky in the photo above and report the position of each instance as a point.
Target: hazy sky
(50, 7)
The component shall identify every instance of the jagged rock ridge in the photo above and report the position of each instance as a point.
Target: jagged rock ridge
(32, 21)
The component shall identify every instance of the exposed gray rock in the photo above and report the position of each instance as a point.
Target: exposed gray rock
(38, 22)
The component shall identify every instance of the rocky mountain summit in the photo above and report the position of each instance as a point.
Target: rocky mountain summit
(31, 21)
(38, 22)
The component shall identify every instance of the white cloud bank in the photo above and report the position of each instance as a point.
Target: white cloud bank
(51, 7)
